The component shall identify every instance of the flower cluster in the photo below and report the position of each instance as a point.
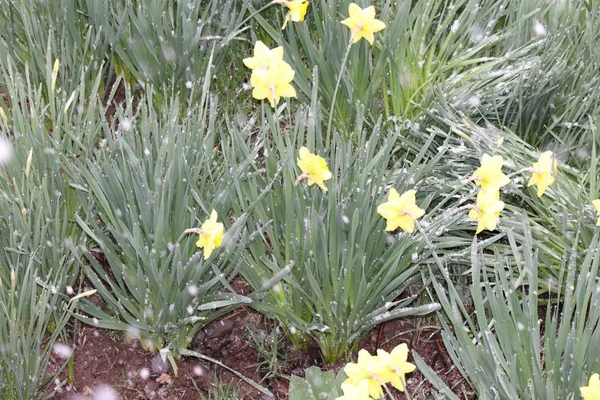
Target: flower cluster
(490, 178)
(271, 76)
(369, 374)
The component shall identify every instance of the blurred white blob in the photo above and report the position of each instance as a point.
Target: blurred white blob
(474, 100)
(105, 392)
(192, 290)
(539, 28)
(62, 350)
(476, 34)
(126, 125)
(189, 84)
(6, 151)
(70, 291)
(198, 370)
(144, 373)
(132, 332)
(455, 26)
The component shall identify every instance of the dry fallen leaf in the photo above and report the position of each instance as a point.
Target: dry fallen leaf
(164, 379)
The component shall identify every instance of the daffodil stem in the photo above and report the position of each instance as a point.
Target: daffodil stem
(387, 391)
(335, 91)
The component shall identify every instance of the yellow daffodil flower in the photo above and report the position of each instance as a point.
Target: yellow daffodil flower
(313, 167)
(592, 390)
(371, 369)
(359, 391)
(400, 211)
(543, 173)
(596, 204)
(211, 234)
(487, 209)
(396, 361)
(273, 83)
(263, 56)
(297, 10)
(362, 23)
(490, 175)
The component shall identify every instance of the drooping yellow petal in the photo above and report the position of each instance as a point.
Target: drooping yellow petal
(596, 204)
(396, 362)
(263, 56)
(298, 9)
(487, 209)
(544, 171)
(592, 390)
(368, 368)
(358, 391)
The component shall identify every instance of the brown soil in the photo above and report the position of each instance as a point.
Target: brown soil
(104, 358)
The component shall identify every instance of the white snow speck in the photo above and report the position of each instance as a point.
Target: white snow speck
(455, 26)
(538, 28)
(192, 290)
(62, 350)
(126, 125)
(144, 373)
(6, 151)
(105, 392)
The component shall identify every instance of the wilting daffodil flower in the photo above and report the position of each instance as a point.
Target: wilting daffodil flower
(211, 234)
(543, 172)
(490, 175)
(359, 391)
(487, 209)
(371, 369)
(592, 390)
(400, 211)
(273, 83)
(396, 361)
(596, 204)
(297, 10)
(263, 56)
(313, 167)
(362, 23)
